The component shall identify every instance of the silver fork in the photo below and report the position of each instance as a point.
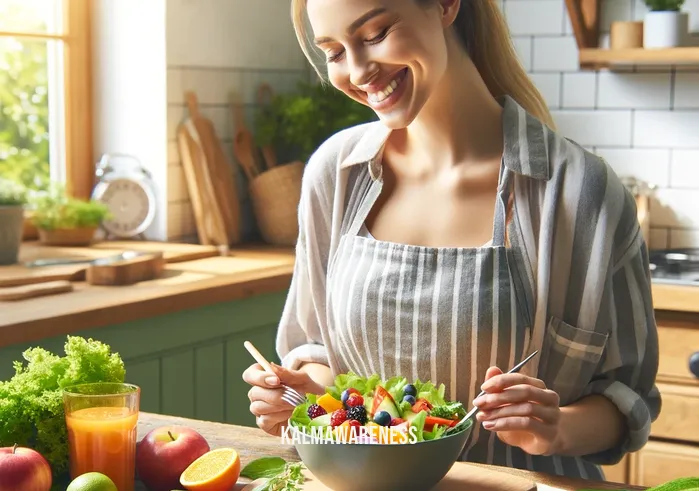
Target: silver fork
(290, 395)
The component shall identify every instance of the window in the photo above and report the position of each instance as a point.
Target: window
(45, 96)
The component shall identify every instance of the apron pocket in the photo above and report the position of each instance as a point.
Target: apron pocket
(571, 358)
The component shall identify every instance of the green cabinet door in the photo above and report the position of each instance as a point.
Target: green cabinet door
(188, 363)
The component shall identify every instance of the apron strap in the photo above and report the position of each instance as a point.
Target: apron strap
(503, 197)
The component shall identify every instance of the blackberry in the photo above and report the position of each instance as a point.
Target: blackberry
(314, 410)
(357, 413)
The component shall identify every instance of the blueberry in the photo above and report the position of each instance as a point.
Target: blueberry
(409, 399)
(382, 418)
(345, 396)
(410, 390)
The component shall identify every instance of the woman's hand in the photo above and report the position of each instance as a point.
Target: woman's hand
(265, 396)
(522, 411)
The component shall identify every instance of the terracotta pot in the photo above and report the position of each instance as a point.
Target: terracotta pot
(11, 223)
(67, 236)
(625, 35)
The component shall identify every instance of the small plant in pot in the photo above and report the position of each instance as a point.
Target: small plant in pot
(665, 25)
(13, 198)
(65, 221)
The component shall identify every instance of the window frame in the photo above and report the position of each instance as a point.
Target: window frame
(77, 93)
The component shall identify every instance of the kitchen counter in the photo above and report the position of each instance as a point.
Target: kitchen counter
(245, 272)
(189, 284)
(676, 298)
(252, 443)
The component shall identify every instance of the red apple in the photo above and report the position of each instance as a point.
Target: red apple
(23, 469)
(164, 454)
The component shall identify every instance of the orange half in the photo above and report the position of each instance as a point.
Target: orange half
(216, 470)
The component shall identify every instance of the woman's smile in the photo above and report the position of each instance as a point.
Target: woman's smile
(383, 96)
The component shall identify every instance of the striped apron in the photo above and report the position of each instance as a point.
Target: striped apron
(439, 314)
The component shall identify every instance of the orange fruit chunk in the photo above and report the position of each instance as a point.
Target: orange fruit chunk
(216, 470)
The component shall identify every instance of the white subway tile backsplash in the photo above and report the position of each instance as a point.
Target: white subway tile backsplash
(650, 165)
(523, 46)
(180, 220)
(212, 86)
(674, 208)
(174, 86)
(614, 10)
(672, 129)
(567, 25)
(633, 91)
(685, 169)
(549, 84)
(680, 239)
(535, 16)
(595, 128)
(555, 54)
(579, 90)
(175, 115)
(692, 7)
(220, 116)
(686, 90)
(176, 184)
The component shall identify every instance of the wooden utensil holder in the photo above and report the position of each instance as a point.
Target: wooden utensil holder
(275, 196)
(626, 35)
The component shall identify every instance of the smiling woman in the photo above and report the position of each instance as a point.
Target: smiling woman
(45, 122)
(460, 233)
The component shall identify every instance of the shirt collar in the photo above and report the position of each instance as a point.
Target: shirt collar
(525, 150)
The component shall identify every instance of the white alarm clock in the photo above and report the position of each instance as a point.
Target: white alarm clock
(127, 189)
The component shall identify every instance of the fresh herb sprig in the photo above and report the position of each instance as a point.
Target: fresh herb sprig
(280, 475)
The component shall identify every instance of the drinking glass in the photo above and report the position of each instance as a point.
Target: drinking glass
(102, 420)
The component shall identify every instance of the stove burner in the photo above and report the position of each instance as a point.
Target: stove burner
(675, 266)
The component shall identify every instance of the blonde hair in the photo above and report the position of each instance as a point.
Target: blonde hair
(484, 33)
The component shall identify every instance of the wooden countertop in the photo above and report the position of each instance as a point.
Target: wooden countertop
(204, 280)
(245, 272)
(252, 443)
(676, 298)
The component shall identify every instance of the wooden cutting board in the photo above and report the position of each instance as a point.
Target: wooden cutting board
(462, 476)
(18, 274)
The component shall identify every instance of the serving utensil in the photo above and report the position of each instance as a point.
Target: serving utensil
(122, 256)
(472, 412)
(290, 395)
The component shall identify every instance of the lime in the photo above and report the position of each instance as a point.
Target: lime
(92, 481)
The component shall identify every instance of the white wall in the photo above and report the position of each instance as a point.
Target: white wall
(645, 124)
(214, 47)
(129, 72)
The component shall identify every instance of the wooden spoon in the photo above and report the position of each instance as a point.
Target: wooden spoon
(243, 141)
(265, 94)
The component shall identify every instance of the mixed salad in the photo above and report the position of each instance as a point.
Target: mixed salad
(371, 410)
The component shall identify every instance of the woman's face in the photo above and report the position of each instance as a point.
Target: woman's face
(387, 54)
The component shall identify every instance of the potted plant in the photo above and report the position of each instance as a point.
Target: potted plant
(65, 221)
(294, 125)
(13, 197)
(665, 25)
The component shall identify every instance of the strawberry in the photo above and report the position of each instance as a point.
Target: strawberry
(355, 400)
(397, 421)
(338, 417)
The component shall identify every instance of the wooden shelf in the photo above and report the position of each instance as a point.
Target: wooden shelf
(595, 58)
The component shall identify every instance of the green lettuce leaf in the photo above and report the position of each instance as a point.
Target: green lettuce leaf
(419, 423)
(428, 391)
(452, 410)
(348, 380)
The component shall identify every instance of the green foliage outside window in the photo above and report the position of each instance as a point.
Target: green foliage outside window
(24, 112)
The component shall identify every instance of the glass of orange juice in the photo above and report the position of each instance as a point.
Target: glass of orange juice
(102, 420)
